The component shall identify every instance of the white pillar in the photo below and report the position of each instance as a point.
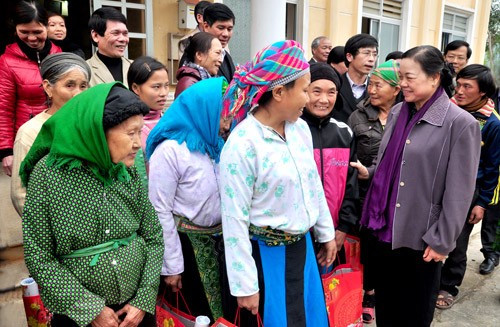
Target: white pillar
(267, 23)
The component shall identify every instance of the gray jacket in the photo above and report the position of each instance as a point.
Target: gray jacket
(438, 176)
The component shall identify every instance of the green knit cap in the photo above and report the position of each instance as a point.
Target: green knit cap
(388, 71)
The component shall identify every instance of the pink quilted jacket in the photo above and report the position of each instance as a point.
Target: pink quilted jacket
(21, 93)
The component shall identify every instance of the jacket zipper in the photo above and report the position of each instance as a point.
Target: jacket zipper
(321, 156)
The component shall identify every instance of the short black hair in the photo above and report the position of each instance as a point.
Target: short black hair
(394, 55)
(141, 70)
(30, 11)
(200, 7)
(358, 41)
(482, 75)
(454, 45)
(336, 55)
(100, 17)
(218, 12)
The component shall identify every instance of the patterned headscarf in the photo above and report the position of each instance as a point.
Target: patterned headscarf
(389, 72)
(276, 64)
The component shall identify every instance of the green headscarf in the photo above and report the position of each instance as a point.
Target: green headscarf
(388, 71)
(74, 135)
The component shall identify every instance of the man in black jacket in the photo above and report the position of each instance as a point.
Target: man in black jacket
(219, 21)
(361, 52)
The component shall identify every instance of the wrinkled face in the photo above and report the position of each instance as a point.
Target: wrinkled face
(223, 30)
(33, 34)
(382, 94)
(57, 28)
(364, 61)
(211, 60)
(467, 92)
(69, 85)
(322, 96)
(115, 39)
(295, 98)
(416, 85)
(124, 140)
(457, 57)
(323, 50)
(154, 91)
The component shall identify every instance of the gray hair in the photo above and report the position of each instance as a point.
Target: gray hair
(55, 66)
(315, 43)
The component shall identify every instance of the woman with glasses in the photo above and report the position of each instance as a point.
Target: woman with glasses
(334, 147)
(368, 123)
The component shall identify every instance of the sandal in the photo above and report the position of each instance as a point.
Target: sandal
(368, 308)
(368, 315)
(446, 298)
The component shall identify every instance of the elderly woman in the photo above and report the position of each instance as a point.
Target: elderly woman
(185, 148)
(272, 195)
(421, 189)
(92, 239)
(64, 76)
(203, 59)
(368, 122)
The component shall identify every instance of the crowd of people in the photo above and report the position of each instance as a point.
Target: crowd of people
(248, 185)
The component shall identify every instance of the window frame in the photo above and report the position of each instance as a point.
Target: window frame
(456, 11)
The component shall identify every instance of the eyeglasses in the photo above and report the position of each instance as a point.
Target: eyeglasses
(373, 54)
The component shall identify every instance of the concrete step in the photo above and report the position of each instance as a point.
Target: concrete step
(12, 309)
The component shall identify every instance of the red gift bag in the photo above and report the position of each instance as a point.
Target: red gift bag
(352, 250)
(343, 296)
(168, 315)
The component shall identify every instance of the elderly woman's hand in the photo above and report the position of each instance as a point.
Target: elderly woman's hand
(430, 254)
(174, 282)
(107, 318)
(133, 316)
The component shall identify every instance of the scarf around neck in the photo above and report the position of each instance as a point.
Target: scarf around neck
(74, 137)
(194, 118)
(378, 209)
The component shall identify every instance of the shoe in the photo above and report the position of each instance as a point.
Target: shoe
(487, 266)
(368, 308)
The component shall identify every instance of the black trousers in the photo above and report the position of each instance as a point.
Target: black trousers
(405, 287)
(453, 271)
(455, 266)
(149, 320)
(488, 232)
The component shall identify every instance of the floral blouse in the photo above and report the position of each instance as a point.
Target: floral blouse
(267, 181)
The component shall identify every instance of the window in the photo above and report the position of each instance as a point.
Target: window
(382, 19)
(296, 21)
(139, 23)
(455, 27)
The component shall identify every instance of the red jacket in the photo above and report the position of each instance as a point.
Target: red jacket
(21, 93)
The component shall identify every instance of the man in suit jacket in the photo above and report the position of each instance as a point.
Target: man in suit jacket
(219, 21)
(320, 48)
(109, 33)
(361, 52)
